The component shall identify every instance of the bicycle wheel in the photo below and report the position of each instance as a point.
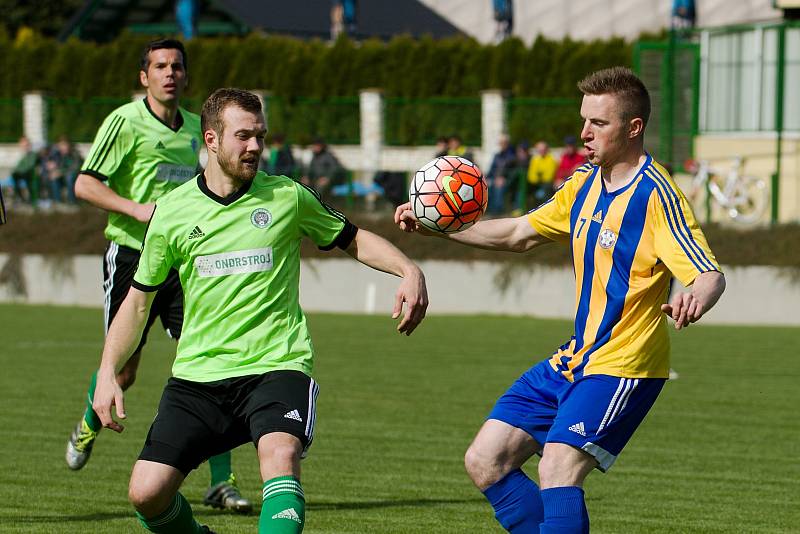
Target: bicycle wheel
(749, 200)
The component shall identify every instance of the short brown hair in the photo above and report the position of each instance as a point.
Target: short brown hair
(620, 81)
(214, 106)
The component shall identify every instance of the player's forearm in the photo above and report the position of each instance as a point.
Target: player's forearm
(376, 252)
(509, 234)
(125, 331)
(708, 288)
(98, 194)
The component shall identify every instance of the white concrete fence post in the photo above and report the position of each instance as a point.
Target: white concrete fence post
(371, 117)
(494, 123)
(34, 118)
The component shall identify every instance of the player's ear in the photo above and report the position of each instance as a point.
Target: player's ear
(143, 79)
(211, 140)
(635, 127)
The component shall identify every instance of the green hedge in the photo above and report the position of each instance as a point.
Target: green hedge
(309, 79)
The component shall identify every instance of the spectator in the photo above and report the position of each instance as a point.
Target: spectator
(441, 146)
(541, 173)
(504, 16)
(571, 159)
(61, 166)
(279, 160)
(343, 18)
(25, 175)
(518, 173)
(456, 148)
(500, 172)
(324, 170)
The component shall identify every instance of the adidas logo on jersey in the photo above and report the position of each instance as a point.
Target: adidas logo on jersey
(197, 232)
(294, 414)
(578, 429)
(289, 513)
(598, 217)
(160, 145)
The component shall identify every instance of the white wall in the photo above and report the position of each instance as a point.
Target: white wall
(755, 295)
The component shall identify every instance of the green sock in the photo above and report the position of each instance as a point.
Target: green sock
(284, 508)
(176, 519)
(89, 416)
(221, 470)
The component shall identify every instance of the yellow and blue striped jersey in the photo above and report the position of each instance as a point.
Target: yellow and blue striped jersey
(625, 245)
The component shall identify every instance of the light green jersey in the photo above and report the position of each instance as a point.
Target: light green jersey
(239, 263)
(142, 158)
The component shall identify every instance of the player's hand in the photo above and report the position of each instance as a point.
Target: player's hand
(407, 221)
(108, 394)
(413, 293)
(684, 309)
(143, 212)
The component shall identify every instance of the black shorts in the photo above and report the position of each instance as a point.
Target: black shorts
(119, 266)
(197, 420)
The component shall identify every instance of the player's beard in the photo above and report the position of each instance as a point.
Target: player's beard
(234, 167)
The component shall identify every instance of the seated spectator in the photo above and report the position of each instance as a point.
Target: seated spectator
(441, 146)
(456, 148)
(25, 174)
(517, 186)
(278, 160)
(571, 159)
(499, 175)
(324, 171)
(541, 173)
(61, 165)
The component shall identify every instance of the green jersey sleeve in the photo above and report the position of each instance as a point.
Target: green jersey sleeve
(324, 225)
(112, 143)
(157, 257)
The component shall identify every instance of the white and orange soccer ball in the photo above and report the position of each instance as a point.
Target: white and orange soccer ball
(448, 194)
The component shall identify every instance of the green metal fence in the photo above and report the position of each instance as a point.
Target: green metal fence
(544, 119)
(420, 121)
(78, 119)
(10, 119)
(301, 119)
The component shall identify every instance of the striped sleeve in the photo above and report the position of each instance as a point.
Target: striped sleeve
(156, 257)
(111, 144)
(679, 241)
(323, 224)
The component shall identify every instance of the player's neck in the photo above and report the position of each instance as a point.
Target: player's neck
(220, 183)
(166, 111)
(621, 173)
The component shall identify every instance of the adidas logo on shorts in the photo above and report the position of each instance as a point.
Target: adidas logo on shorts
(294, 414)
(578, 429)
(289, 513)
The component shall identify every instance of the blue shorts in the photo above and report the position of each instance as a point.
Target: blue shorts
(596, 413)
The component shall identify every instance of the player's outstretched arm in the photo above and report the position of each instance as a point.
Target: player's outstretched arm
(98, 194)
(509, 234)
(123, 337)
(688, 307)
(374, 251)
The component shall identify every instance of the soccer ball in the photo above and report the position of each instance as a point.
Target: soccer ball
(448, 194)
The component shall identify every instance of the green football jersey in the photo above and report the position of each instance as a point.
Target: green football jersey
(239, 264)
(142, 158)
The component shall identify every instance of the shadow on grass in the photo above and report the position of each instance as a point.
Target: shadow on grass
(66, 518)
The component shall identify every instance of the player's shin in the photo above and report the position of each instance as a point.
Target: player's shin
(284, 508)
(89, 415)
(517, 502)
(176, 519)
(564, 511)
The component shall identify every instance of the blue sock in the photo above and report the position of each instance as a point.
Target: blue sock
(564, 511)
(517, 502)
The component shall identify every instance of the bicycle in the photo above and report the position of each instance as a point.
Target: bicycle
(743, 197)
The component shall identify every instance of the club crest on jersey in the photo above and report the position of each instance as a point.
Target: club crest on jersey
(607, 238)
(261, 217)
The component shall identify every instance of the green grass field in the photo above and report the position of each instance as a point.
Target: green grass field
(718, 453)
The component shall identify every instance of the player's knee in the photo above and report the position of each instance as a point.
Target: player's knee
(481, 467)
(148, 499)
